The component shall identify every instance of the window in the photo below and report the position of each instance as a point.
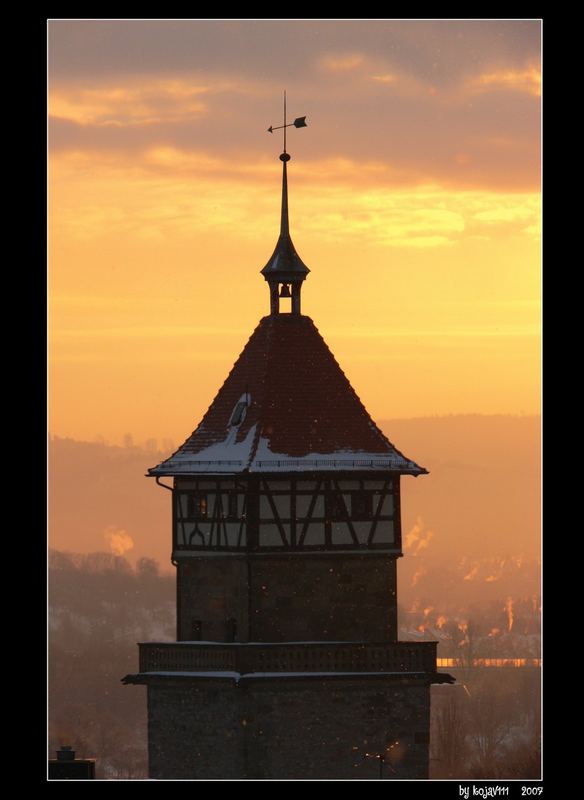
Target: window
(238, 413)
(232, 510)
(336, 506)
(197, 629)
(198, 506)
(361, 505)
(231, 630)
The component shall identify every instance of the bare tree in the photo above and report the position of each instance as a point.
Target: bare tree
(449, 744)
(489, 724)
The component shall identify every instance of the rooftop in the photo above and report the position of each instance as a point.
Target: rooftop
(286, 405)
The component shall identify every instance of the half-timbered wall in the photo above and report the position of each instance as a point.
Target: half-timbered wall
(322, 512)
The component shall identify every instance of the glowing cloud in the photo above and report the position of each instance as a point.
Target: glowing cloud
(527, 80)
(385, 78)
(342, 63)
(118, 540)
(146, 103)
(419, 573)
(416, 540)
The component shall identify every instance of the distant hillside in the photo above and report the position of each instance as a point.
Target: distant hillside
(100, 499)
(482, 496)
(480, 501)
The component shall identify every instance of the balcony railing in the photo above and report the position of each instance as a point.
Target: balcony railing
(288, 657)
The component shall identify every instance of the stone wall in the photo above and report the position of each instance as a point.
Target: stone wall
(194, 729)
(328, 597)
(287, 727)
(324, 598)
(212, 590)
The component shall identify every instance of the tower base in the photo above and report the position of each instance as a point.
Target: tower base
(288, 725)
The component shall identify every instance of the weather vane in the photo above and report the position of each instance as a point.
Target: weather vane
(299, 122)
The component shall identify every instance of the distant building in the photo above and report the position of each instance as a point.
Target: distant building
(67, 766)
(286, 535)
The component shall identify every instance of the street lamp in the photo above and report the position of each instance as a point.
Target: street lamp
(383, 757)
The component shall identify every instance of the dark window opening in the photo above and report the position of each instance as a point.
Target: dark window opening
(231, 630)
(336, 506)
(421, 737)
(361, 505)
(232, 505)
(198, 506)
(238, 413)
(197, 630)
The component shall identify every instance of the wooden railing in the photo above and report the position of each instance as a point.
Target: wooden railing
(288, 657)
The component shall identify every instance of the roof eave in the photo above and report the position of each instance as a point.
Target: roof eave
(233, 469)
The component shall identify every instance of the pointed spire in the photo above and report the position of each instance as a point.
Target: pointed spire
(284, 222)
(285, 266)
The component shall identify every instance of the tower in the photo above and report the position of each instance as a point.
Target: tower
(285, 537)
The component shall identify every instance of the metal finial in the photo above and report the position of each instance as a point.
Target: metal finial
(299, 122)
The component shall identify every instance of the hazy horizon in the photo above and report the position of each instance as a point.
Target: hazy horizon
(473, 522)
(156, 444)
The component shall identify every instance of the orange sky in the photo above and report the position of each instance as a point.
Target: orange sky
(414, 200)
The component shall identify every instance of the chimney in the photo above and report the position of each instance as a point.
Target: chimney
(67, 767)
(66, 753)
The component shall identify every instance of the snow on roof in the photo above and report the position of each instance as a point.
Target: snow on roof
(228, 456)
(303, 414)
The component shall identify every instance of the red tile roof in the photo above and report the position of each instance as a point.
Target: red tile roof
(301, 407)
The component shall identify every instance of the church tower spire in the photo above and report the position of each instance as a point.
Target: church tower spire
(285, 271)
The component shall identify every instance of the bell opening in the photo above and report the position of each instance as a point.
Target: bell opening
(285, 290)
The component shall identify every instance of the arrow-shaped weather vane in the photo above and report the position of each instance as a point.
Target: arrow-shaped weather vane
(299, 122)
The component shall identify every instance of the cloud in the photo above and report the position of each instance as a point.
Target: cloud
(417, 103)
(526, 81)
(174, 195)
(505, 213)
(376, 132)
(472, 573)
(131, 104)
(342, 63)
(385, 78)
(118, 540)
(354, 72)
(445, 48)
(417, 539)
